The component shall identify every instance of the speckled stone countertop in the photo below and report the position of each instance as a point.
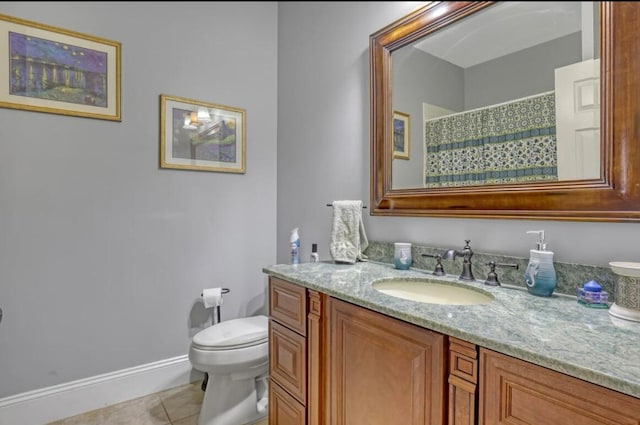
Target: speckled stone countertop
(556, 332)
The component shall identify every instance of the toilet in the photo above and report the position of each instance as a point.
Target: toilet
(235, 355)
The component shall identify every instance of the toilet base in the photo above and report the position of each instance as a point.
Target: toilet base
(230, 402)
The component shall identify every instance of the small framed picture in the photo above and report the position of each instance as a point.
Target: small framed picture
(197, 135)
(401, 135)
(49, 69)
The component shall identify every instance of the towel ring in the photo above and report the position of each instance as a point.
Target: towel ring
(330, 205)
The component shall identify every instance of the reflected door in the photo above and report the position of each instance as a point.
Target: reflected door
(578, 120)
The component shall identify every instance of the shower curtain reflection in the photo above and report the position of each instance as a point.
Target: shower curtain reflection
(513, 142)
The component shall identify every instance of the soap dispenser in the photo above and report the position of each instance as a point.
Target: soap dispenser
(540, 275)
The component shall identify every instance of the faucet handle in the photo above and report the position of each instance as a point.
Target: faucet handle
(492, 277)
(439, 269)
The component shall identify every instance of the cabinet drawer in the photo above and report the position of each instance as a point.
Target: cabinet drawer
(288, 360)
(284, 409)
(463, 360)
(288, 304)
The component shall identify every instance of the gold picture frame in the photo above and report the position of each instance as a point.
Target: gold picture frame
(197, 135)
(401, 135)
(58, 71)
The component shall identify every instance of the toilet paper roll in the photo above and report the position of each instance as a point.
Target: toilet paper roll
(212, 297)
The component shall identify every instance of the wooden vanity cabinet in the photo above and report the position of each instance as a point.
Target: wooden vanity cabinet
(296, 372)
(383, 370)
(332, 362)
(516, 392)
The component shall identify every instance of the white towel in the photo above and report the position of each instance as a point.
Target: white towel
(348, 238)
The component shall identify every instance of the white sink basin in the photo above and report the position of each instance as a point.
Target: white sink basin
(428, 291)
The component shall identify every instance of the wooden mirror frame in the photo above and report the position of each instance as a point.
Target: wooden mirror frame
(615, 196)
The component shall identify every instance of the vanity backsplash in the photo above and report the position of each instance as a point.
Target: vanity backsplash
(569, 276)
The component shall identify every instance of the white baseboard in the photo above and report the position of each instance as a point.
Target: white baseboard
(49, 404)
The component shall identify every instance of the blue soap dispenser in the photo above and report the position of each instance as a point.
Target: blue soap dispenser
(540, 275)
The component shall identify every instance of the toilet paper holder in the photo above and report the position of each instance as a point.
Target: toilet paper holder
(224, 291)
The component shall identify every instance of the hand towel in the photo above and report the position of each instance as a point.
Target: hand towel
(348, 238)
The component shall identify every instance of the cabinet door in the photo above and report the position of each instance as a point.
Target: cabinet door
(516, 392)
(288, 360)
(382, 370)
(284, 409)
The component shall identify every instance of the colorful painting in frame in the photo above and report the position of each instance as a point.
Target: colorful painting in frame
(196, 135)
(58, 71)
(401, 138)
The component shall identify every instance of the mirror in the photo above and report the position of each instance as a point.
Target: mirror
(419, 125)
(491, 100)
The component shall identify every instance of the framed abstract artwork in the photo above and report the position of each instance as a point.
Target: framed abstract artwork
(196, 135)
(58, 71)
(401, 140)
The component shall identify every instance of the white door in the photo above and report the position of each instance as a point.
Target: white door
(578, 120)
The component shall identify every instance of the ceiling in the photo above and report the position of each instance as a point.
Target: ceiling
(504, 28)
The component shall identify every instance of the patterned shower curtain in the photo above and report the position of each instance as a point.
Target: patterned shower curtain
(513, 142)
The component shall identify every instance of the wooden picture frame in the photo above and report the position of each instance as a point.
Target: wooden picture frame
(401, 135)
(58, 71)
(197, 135)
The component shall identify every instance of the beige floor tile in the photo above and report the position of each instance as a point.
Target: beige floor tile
(89, 418)
(177, 406)
(191, 420)
(141, 411)
(182, 402)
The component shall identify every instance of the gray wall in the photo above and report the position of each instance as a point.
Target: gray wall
(419, 77)
(500, 80)
(102, 253)
(323, 147)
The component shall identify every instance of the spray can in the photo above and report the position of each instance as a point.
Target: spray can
(295, 246)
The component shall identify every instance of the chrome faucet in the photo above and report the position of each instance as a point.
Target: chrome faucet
(467, 253)
(439, 269)
(492, 277)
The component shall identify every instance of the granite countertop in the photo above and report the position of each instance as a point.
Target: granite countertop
(555, 332)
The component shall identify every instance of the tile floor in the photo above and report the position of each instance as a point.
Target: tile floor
(177, 406)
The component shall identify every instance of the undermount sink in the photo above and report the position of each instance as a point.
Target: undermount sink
(432, 292)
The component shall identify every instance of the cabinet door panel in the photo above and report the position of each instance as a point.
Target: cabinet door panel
(288, 360)
(462, 402)
(516, 392)
(288, 304)
(383, 370)
(284, 409)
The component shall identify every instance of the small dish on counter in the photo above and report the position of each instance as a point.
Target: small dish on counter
(625, 268)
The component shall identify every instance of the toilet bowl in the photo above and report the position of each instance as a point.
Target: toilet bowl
(234, 354)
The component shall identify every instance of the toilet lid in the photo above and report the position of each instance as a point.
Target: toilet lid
(235, 333)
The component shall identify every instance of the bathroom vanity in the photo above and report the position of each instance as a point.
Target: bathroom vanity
(342, 352)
